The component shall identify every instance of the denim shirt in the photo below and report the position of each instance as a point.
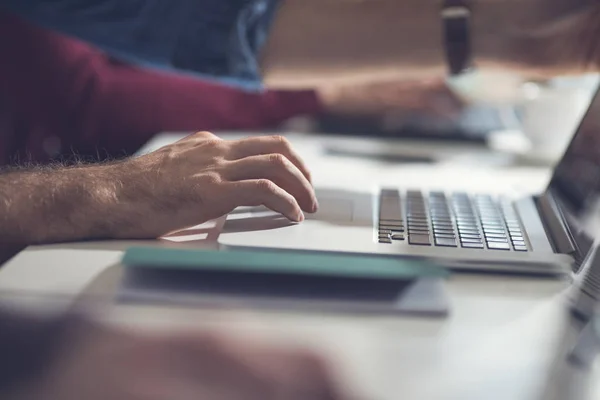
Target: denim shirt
(211, 39)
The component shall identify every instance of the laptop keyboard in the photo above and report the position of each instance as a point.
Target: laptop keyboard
(455, 221)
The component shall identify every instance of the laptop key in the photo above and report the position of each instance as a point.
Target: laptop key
(470, 235)
(445, 242)
(464, 223)
(392, 229)
(444, 235)
(386, 192)
(468, 231)
(521, 248)
(385, 240)
(496, 240)
(389, 208)
(467, 240)
(498, 246)
(487, 225)
(496, 235)
(419, 226)
(420, 240)
(391, 222)
(492, 231)
(397, 236)
(472, 245)
(392, 225)
(518, 243)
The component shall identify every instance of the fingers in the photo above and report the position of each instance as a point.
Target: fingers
(264, 192)
(222, 369)
(302, 375)
(254, 171)
(278, 169)
(256, 372)
(268, 145)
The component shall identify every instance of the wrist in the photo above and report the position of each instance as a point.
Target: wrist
(91, 202)
(123, 200)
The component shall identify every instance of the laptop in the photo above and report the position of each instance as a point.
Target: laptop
(540, 234)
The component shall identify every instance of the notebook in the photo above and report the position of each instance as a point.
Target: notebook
(291, 280)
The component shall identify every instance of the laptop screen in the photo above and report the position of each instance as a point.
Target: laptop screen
(576, 181)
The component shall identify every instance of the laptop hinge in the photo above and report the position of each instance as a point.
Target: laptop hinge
(556, 225)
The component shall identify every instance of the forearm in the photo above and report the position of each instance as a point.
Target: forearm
(56, 205)
(359, 39)
(138, 102)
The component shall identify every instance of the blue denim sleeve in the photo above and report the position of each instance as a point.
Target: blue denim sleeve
(211, 39)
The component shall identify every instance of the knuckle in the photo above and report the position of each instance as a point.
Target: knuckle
(278, 160)
(203, 135)
(282, 141)
(211, 178)
(213, 143)
(169, 153)
(266, 186)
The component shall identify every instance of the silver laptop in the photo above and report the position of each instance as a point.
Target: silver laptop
(533, 235)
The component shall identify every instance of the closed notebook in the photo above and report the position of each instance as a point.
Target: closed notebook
(288, 280)
(282, 262)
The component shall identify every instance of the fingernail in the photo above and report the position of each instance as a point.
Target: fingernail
(315, 206)
(300, 217)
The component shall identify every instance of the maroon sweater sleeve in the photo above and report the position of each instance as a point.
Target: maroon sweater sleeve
(58, 95)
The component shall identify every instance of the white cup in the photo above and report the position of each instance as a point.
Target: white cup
(551, 115)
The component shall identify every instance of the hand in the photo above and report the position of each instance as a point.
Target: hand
(202, 177)
(97, 363)
(381, 97)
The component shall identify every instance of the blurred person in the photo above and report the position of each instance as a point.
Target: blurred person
(72, 357)
(67, 97)
(70, 100)
(240, 41)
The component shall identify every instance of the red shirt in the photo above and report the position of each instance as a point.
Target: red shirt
(59, 95)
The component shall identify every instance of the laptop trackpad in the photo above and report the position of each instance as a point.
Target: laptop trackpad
(333, 209)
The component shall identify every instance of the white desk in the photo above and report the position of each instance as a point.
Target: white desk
(497, 343)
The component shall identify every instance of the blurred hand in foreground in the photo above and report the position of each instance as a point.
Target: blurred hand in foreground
(94, 362)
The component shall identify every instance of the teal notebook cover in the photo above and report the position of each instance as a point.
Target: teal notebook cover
(282, 262)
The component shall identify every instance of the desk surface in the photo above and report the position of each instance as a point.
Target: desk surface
(498, 342)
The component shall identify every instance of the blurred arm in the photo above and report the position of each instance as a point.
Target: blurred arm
(62, 88)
